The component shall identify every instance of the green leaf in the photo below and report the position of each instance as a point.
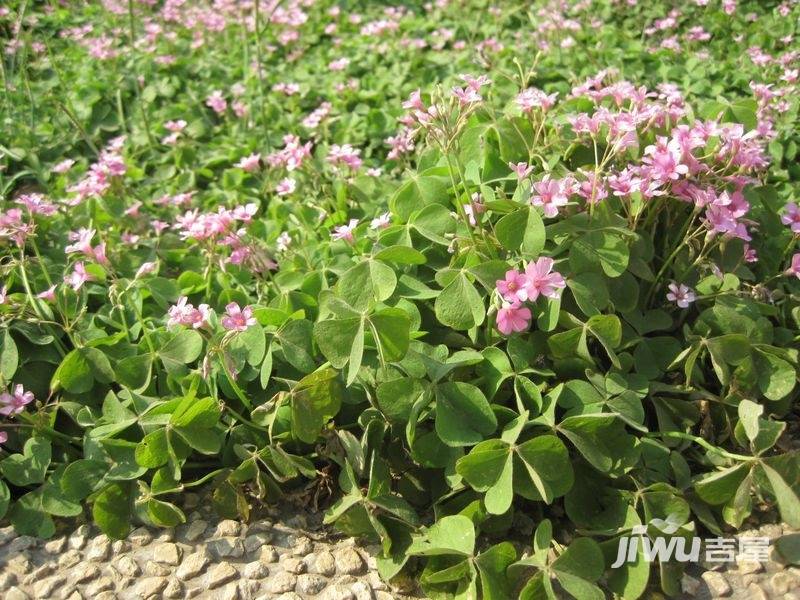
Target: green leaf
(30, 466)
(336, 337)
(29, 518)
(459, 305)
(295, 341)
(9, 356)
(788, 502)
(396, 397)
(5, 498)
(776, 377)
(365, 283)
(602, 249)
(579, 567)
(112, 511)
(392, 326)
(523, 229)
(80, 368)
(315, 399)
(134, 371)
(492, 566)
(603, 441)
(463, 416)
(82, 477)
(454, 534)
(547, 471)
(489, 468)
(153, 450)
(720, 486)
(184, 347)
(788, 546)
(401, 255)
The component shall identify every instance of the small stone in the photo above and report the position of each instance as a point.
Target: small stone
(16, 594)
(286, 596)
(746, 567)
(716, 583)
(257, 540)
(166, 535)
(281, 582)
(311, 584)
(7, 580)
(119, 547)
(690, 585)
(42, 572)
(220, 574)
(381, 595)
(293, 565)
(44, 587)
(227, 528)
(56, 546)
(248, 588)
(302, 547)
(21, 564)
(226, 547)
(22, 543)
(174, 589)
(255, 570)
(7, 534)
(85, 572)
(101, 584)
(192, 566)
(229, 592)
(75, 595)
(781, 583)
(140, 536)
(362, 591)
(154, 569)
(99, 549)
(127, 566)
(167, 553)
(324, 564)
(378, 584)
(195, 530)
(150, 586)
(105, 596)
(349, 562)
(190, 500)
(78, 538)
(755, 592)
(268, 555)
(337, 592)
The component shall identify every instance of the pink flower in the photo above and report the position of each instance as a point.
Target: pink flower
(381, 221)
(13, 404)
(514, 288)
(749, 254)
(681, 295)
(792, 217)
(64, 166)
(550, 194)
(521, 170)
(542, 280)
(285, 186)
(664, 159)
(238, 319)
(78, 277)
(794, 268)
(49, 294)
(284, 239)
(513, 317)
(3, 294)
(3, 437)
(186, 314)
(250, 163)
(345, 232)
(146, 269)
(216, 102)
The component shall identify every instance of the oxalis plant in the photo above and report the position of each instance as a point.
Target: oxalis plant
(572, 299)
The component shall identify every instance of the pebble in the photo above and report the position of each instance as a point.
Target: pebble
(756, 593)
(78, 538)
(155, 569)
(716, 583)
(56, 546)
(286, 596)
(229, 592)
(311, 584)
(226, 547)
(195, 530)
(99, 549)
(255, 570)
(85, 572)
(293, 565)
(44, 587)
(349, 562)
(281, 582)
(192, 566)
(119, 547)
(220, 574)
(268, 555)
(127, 566)
(7, 580)
(337, 592)
(745, 567)
(101, 584)
(21, 544)
(302, 547)
(167, 553)
(324, 564)
(227, 528)
(173, 589)
(257, 540)
(150, 586)
(362, 591)
(781, 583)
(16, 594)
(140, 537)
(105, 596)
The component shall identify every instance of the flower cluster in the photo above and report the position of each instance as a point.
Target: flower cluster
(538, 279)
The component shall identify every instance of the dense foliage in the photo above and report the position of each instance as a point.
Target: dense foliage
(469, 260)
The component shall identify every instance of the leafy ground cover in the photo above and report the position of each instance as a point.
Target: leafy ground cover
(428, 265)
